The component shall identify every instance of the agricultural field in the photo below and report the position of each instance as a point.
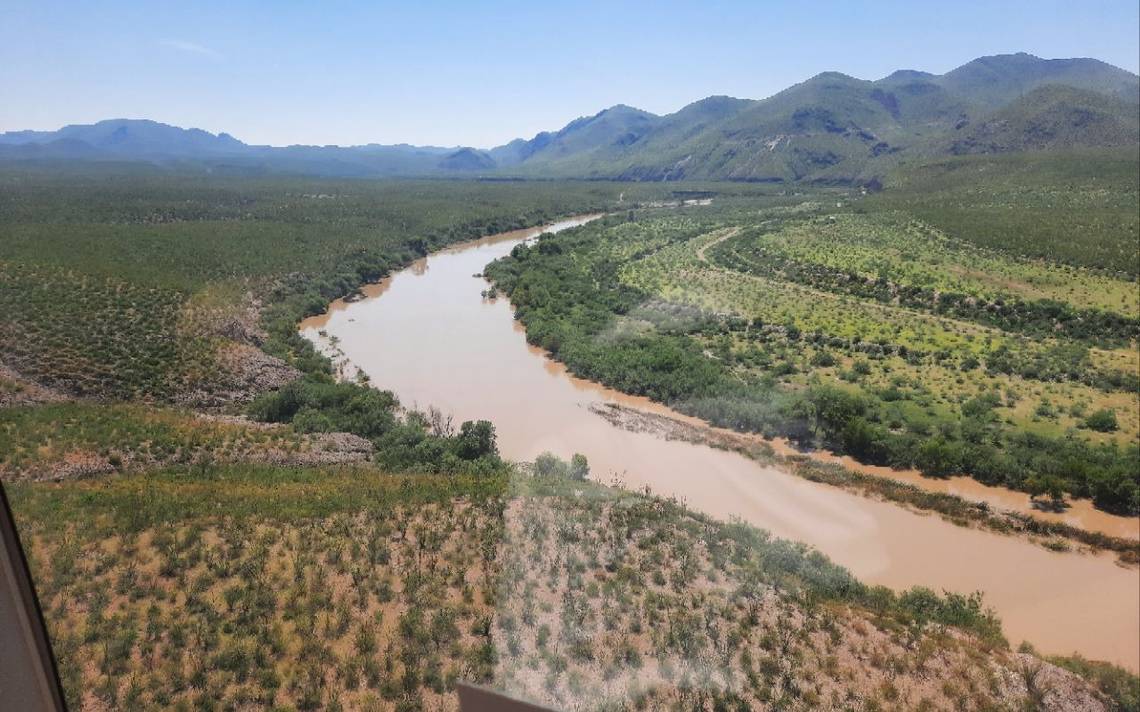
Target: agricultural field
(845, 322)
(352, 588)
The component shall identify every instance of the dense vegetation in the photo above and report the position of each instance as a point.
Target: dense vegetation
(96, 336)
(415, 442)
(858, 328)
(133, 284)
(1072, 208)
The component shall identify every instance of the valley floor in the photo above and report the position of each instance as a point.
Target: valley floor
(215, 522)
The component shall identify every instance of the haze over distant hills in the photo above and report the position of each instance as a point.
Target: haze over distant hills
(832, 128)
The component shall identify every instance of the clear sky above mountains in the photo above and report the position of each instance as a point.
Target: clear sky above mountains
(452, 73)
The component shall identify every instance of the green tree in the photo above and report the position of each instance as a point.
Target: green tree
(1055, 488)
(938, 457)
(476, 439)
(579, 467)
(548, 464)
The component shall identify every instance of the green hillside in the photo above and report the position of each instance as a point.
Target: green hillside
(613, 127)
(1050, 117)
(836, 129)
(992, 81)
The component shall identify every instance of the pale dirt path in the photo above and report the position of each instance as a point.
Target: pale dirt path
(728, 235)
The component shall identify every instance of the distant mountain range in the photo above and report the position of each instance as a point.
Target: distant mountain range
(134, 140)
(831, 128)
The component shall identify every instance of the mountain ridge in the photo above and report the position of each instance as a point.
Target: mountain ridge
(830, 128)
(835, 128)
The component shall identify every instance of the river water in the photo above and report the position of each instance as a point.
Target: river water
(427, 334)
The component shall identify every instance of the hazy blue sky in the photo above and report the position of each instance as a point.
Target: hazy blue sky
(482, 73)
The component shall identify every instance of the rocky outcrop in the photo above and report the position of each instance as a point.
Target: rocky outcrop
(244, 371)
(1038, 685)
(246, 442)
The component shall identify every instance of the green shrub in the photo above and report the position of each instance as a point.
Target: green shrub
(1102, 421)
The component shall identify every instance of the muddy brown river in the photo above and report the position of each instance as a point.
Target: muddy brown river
(428, 335)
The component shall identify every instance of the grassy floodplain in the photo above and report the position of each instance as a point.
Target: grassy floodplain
(898, 335)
